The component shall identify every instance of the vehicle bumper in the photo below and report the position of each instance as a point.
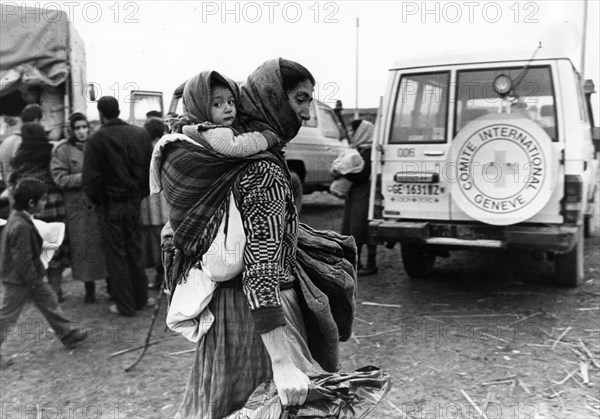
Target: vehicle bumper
(558, 238)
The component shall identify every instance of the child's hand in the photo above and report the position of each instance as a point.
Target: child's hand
(271, 137)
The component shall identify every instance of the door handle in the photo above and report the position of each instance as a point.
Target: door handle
(434, 153)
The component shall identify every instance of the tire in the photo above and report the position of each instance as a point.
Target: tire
(569, 266)
(297, 190)
(417, 259)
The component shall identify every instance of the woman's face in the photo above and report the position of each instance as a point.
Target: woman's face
(81, 129)
(300, 98)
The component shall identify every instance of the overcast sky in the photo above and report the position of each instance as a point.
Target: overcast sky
(156, 45)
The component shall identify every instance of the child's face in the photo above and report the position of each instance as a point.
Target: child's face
(222, 108)
(35, 207)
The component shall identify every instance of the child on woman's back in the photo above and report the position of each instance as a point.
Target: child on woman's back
(217, 104)
(212, 98)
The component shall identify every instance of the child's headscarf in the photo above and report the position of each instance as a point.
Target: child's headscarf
(363, 136)
(197, 99)
(264, 105)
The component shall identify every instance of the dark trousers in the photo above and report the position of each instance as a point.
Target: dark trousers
(121, 231)
(14, 297)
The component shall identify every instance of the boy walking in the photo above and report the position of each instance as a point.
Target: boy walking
(21, 269)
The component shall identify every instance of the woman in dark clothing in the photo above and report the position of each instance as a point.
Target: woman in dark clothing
(88, 262)
(356, 210)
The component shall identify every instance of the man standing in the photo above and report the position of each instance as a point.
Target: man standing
(116, 177)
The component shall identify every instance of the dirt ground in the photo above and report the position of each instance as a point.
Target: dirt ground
(488, 335)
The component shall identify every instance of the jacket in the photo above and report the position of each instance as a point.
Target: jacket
(326, 286)
(20, 250)
(116, 163)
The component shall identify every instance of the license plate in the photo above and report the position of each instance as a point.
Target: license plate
(415, 189)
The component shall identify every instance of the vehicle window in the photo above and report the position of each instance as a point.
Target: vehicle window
(532, 96)
(421, 109)
(312, 122)
(329, 125)
(179, 107)
(143, 103)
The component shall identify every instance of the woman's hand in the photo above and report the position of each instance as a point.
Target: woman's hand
(292, 384)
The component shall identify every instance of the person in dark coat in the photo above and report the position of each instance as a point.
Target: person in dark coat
(356, 210)
(32, 161)
(88, 263)
(116, 178)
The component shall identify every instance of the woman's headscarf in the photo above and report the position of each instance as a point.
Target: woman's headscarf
(363, 136)
(197, 94)
(264, 105)
(75, 117)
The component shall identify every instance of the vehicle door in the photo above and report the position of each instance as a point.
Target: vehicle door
(415, 147)
(507, 144)
(141, 102)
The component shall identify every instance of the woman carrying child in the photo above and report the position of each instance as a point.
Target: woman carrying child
(231, 360)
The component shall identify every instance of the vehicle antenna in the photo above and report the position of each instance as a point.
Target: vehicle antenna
(526, 68)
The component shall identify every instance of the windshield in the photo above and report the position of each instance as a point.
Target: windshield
(532, 96)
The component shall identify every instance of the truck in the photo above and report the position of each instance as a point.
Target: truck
(486, 151)
(42, 60)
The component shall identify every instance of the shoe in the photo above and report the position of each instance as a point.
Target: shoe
(5, 363)
(115, 310)
(367, 271)
(73, 337)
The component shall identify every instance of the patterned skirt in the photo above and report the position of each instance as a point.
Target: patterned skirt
(231, 360)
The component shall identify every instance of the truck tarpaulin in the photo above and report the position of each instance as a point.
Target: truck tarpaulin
(43, 58)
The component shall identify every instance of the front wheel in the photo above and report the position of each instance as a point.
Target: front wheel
(417, 259)
(297, 190)
(569, 266)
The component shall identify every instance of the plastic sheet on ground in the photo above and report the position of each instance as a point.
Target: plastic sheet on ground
(331, 396)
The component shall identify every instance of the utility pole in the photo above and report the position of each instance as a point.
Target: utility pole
(583, 37)
(356, 116)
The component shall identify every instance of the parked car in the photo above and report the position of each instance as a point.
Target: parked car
(310, 154)
(485, 151)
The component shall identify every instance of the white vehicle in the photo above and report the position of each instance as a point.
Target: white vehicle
(487, 151)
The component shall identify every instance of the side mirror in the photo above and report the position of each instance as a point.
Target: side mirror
(91, 89)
